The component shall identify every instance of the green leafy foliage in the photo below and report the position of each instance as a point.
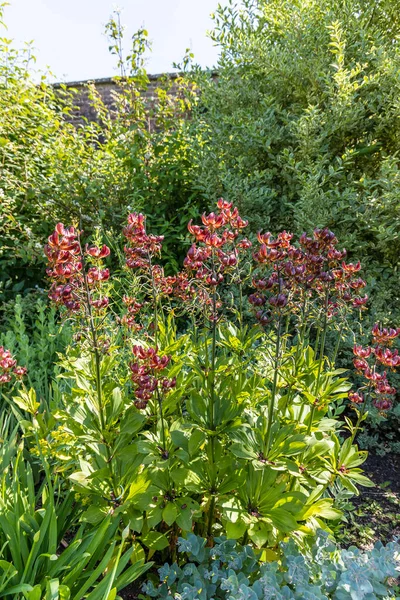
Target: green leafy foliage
(44, 552)
(301, 128)
(34, 335)
(138, 154)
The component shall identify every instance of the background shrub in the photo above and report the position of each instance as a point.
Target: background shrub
(136, 155)
(302, 127)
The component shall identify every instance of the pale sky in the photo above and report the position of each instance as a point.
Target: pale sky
(69, 35)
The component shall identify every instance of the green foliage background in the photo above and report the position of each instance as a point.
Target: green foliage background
(93, 172)
(302, 127)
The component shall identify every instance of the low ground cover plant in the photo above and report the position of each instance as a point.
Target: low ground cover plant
(232, 572)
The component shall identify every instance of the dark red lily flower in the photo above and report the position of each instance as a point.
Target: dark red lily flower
(387, 357)
(356, 398)
(350, 267)
(383, 404)
(384, 336)
(278, 301)
(360, 302)
(362, 352)
(146, 374)
(96, 252)
(9, 368)
(360, 364)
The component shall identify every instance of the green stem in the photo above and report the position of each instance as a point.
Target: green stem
(337, 345)
(299, 347)
(155, 309)
(316, 345)
(363, 408)
(159, 400)
(211, 516)
(321, 360)
(245, 538)
(274, 384)
(212, 403)
(97, 359)
(240, 312)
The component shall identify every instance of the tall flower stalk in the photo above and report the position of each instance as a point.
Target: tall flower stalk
(147, 370)
(309, 279)
(210, 261)
(78, 277)
(376, 386)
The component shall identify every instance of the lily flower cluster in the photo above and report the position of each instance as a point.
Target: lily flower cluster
(314, 267)
(66, 262)
(9, 368)
(147, 375)
(217, 249)
(367, 361)
(133, 308)
(142, 246)
(140, 253)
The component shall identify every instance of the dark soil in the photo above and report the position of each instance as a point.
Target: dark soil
(382, 469)
(376, 514)
(131, 592)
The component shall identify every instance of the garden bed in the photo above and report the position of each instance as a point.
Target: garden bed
(377, 510)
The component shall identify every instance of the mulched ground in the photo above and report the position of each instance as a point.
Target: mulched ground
(131, 592)
(376, 514)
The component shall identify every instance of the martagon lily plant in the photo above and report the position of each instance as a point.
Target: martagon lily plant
(206, 402)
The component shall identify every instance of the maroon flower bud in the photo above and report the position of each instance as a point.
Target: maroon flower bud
(336, 255)
(383, 404)
(383, 387)
(357, 284)
(100, 303)
(244, 244)
(257, 299)
(347, 297)
(168, 384)
(325, 236)
(96, 275)
(278, 301)
(263, 317)
(372, 375)
(360, 364)
(326, 277)
(360, 302)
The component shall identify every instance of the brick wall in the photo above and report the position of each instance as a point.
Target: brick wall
(107, 88)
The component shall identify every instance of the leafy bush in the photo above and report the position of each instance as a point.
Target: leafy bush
(34, 336)
(138, 154)
(229, 571)
(302, 128)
